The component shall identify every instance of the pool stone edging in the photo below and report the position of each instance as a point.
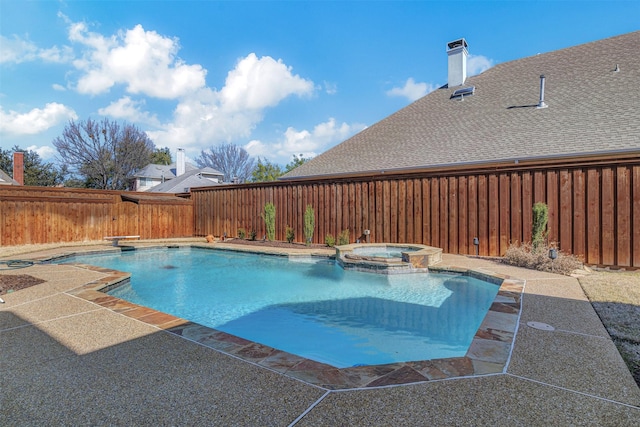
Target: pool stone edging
(488, 353)
(418, 260)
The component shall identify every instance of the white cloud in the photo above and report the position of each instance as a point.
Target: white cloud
(58, 87)
(256, 83)
(17, 50)
(477, 64)
(130, 110)
(412, 90)
(308, 143)
(36, 120)
(209, 117)
(330, 88)
(45, 152)
(144, 61)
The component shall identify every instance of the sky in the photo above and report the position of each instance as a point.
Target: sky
(278, 78)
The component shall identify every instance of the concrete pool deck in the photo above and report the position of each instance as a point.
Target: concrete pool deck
(68, 361)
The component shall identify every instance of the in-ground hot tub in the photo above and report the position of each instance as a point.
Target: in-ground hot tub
(388, 258)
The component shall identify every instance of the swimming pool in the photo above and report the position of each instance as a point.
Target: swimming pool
(312, 308)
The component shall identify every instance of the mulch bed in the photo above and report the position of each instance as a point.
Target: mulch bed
(12, 283)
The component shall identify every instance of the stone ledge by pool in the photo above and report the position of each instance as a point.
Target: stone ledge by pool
(488, 353)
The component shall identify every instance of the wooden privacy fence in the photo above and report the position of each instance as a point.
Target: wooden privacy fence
(594, 209)
(49, 215)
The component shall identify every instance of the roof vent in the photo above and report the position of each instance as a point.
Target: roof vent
(465, 91)
(542, 104)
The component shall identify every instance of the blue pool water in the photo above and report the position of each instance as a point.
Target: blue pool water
(383, 251)
(312, 308)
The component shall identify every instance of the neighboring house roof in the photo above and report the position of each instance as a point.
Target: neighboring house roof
(190, 179)
(160, 171)
(592, 109)
(5, 179)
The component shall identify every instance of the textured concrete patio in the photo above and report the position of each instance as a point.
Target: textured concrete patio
(68, 361)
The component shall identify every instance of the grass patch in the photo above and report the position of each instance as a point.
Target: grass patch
(616, 298)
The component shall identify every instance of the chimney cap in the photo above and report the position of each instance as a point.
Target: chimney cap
(457, 43)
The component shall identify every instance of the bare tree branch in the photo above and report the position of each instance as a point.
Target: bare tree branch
(233, 161)
(104, 154)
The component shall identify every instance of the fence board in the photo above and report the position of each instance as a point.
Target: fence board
(494, 215)
(472, 201)
(435, 212)
(483, 215)
(566, 212)
(426, 211)
(463, 213)
(417, 210)
(635, 214)
(579, 209)
(623, 217)
(443, 205)
(505, 212)
(608, 217)
(552, 192)
(453, 216)
(593, 217)
(527, 206)
(409, 213)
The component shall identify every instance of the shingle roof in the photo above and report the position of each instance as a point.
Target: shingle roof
(5, 179)
(162, 171)
(591, 109)
(185, 182)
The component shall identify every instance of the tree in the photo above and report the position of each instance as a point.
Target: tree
(297, 161)
(265, 171)
(161, 156)
(36, 171)
(104, 154)
(233, 161)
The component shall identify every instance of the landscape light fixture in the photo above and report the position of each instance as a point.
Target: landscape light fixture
(476, 243)
(553, 254)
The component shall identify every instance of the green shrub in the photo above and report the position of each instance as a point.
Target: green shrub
(253, 234)
(242, 233)
(329, 240)
(290, 234)
(343, 237)
(269, 216)
(539, 230)
(309, 224)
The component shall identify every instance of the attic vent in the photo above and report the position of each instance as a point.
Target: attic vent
(465, 91)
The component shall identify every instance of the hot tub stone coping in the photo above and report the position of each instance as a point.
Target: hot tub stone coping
(420, 259)
(488, 353)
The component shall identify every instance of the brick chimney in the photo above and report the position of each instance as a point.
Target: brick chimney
(18, 167)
